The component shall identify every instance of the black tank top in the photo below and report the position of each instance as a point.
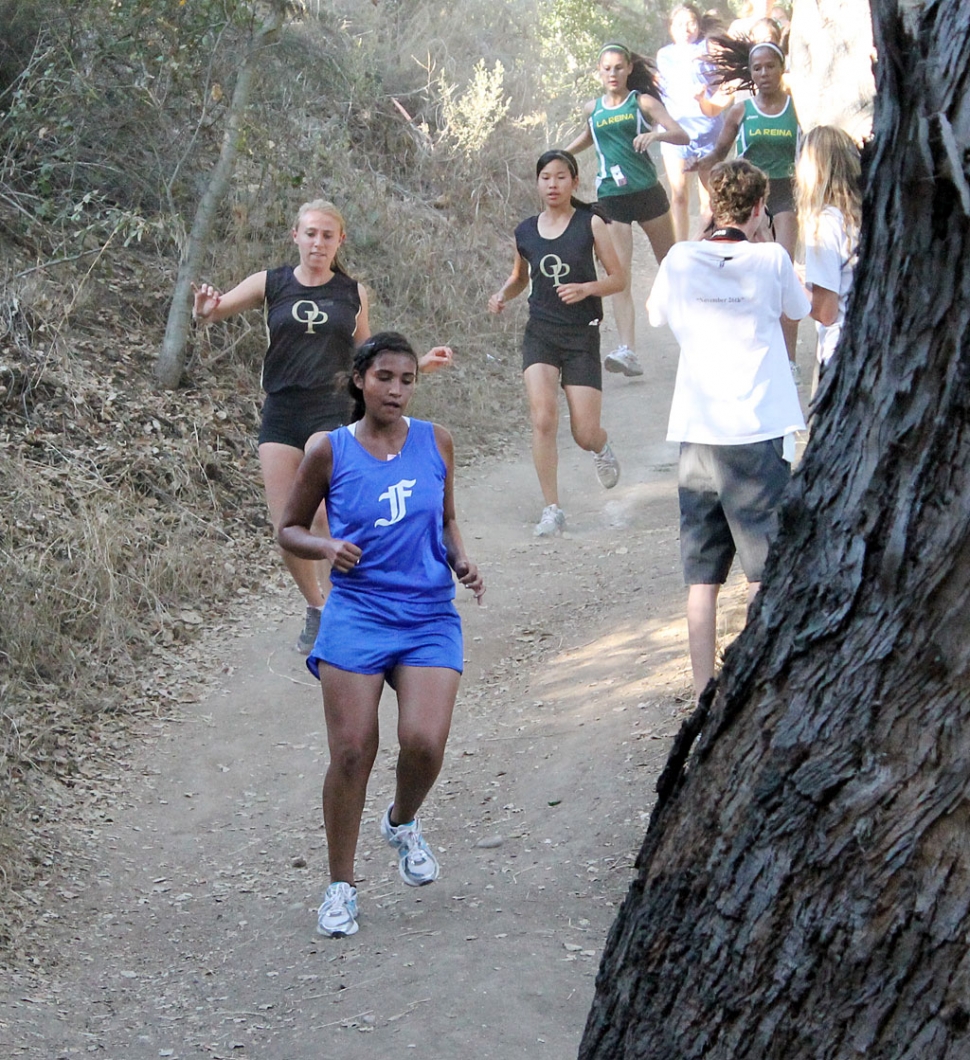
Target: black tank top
(566, 259)
(310, 331)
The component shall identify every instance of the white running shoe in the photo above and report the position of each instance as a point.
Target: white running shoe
(624, 360)
(553, 521)
(607, 467)
(337, 917)
(311, 627)
(416, 864)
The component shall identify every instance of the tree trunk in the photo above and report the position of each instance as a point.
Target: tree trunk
(804, 888)
(171, 356)
(830, 47)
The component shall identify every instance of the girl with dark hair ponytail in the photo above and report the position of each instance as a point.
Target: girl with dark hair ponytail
(393, 341)
(643, 77)
(556, 253)
(387, 484)
(573, 166)
(765, 127)
(621, 125)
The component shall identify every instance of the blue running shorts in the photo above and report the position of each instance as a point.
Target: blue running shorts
(373, 635)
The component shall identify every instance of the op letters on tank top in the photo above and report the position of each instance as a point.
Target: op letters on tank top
(310, 330)
(567, 258)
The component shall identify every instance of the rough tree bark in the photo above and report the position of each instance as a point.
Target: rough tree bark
(803, 890)
(171, 356)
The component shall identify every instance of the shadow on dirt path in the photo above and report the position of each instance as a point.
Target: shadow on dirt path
(186, 925)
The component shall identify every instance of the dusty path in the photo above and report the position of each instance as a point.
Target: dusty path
(185, 925)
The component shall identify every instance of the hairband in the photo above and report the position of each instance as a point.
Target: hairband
(621, 48)
(764, 44)
(564, 156)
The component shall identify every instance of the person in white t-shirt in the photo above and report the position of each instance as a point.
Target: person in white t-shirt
(827, 189)
(734, 399)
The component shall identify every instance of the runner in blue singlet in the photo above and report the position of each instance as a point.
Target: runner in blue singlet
(393, 542)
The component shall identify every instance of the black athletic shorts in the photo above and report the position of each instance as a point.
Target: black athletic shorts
(290, 416)
(729, 497)
(636, 206)
(572, 348)
(781, 195)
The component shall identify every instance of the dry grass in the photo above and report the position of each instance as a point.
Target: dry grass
(126, 512)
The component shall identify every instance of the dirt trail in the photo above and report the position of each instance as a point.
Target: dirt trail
(185, 925)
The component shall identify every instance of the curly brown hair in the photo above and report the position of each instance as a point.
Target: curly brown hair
(736, 187)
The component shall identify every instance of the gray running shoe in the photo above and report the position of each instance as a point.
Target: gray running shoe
(607, 467)
(553, 521)
(416, 864)
(311, 627)
(337, 917)
(624, 360)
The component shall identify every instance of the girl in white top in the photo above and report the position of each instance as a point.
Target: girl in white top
(765, 127)
(685, 89)
(827, 177)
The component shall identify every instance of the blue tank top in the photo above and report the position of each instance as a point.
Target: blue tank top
(393, 510)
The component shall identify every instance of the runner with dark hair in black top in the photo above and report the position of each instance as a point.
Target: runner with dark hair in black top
(555, 252)
(315, 315)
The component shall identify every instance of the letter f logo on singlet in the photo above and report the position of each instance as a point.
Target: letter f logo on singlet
(396, 494)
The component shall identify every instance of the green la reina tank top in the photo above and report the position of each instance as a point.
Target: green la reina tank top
(769, 141)
(621, 169)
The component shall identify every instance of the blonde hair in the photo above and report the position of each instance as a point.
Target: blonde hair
(827, 173)
(319, 206)
(324, 206)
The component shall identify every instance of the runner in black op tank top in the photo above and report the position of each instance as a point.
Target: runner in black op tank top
(555, 252)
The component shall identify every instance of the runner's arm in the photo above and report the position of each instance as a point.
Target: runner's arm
(714, 103)
(585, 138)
(656, 112)
(729, 133)
(825, 305)
(209, 306)
(362, 330)
(459, 562)
(517, 282)
(438, 357)
(311, 486)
